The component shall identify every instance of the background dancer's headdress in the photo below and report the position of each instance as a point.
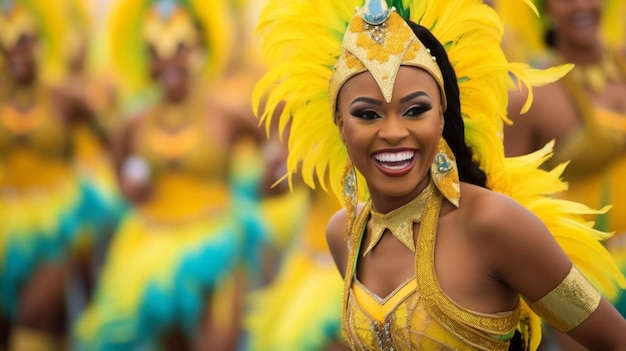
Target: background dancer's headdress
(528, 27)
(79, 16)
(165, 23)
(302, 45)
(42, 18)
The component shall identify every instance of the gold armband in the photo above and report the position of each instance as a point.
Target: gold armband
(570, 303)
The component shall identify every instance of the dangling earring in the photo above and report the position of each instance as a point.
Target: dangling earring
(445, 173)
(350, 195)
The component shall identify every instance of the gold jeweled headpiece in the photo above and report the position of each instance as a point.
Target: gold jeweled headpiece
(15, 21)
(167, 25)
(378, 40)
(207, 23)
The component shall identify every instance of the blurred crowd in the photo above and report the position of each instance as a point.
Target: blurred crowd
(143, 208)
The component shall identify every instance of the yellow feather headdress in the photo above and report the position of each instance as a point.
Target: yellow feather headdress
(79, 17)
(45, 20)
(526, 28)
(301, 42)
(126, 37)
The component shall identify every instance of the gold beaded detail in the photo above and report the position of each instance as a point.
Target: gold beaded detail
(400, 221)
(445, 173)
(431, 318)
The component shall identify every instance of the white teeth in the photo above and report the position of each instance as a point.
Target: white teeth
(583, 19)
(394, 168)
(394, 156)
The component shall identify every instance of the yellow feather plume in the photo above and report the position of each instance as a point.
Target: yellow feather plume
(536, 188)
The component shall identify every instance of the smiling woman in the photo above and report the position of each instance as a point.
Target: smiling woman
(391, 144)
(453, 246)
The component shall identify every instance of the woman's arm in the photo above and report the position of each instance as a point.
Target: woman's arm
(132, 172)
(525, 256)
(335, 232)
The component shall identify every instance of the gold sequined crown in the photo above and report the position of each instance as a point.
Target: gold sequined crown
(167, 25)
(378, 40)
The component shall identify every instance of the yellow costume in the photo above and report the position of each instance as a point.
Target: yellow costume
(375, 40)
(434, 321)
(90, 141)
(597, 155)
(173, 250)
(45, 207)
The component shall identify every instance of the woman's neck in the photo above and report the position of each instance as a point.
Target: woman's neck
(21, 96)
(384, 203)
(577, 55)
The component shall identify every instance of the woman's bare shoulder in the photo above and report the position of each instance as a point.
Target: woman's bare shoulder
(508, 234)
(336, 237)
(487, 213)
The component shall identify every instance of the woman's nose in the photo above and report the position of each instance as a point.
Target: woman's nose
(393, 129)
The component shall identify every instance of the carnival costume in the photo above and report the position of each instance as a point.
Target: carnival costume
(377, 40)
(174, 250)
(91, 142)
(45, 206)
(596, 151)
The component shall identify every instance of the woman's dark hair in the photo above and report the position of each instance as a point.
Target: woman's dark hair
(454, 130)
(549, 34)
(549, 38)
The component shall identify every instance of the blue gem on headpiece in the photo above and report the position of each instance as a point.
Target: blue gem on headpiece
(376, 12)
(7, 6)
(166, 8)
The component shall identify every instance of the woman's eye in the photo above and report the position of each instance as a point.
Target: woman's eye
(417, 110)
(367, 115)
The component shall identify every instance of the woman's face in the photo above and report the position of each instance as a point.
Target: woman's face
(172, 74)
(392, 144)
(21, 60)
(576, 22)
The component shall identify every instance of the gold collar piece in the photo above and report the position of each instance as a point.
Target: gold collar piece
(400, 221)
(596, 76)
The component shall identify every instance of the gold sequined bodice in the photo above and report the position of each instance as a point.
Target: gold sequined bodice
(34, 145)
(188, 167)
(177, 139)
(418, 315)
(600, 138)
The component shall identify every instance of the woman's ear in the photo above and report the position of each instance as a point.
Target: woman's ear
(339, 123)
(442, 122)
